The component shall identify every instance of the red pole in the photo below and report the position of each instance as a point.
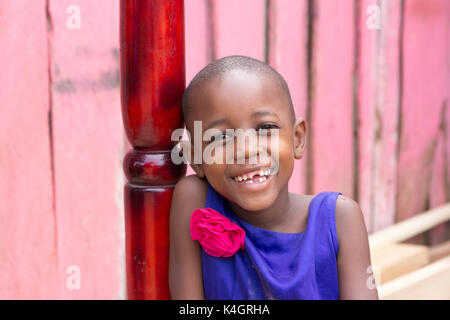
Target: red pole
(152, 83)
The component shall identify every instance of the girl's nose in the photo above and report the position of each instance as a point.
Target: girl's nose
(247, 147)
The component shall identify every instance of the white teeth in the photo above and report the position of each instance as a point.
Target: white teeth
(263, 172)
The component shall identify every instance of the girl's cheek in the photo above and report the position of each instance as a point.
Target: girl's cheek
(215, 171)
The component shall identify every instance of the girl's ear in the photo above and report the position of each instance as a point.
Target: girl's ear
(299, 135)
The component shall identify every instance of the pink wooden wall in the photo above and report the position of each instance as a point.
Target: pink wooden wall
(376, 102)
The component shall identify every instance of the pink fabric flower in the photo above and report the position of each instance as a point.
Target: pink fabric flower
(218, 235)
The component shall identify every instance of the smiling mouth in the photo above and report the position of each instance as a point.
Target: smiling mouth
(257, 176)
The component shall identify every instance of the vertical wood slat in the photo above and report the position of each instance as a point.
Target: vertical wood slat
(199, 43)
(288, 37)
(332, 97)
(424, 91)
(28, 255)
(239, 28)
(152, 83)
(440, 181)
(446, 129)
(368, 50)
(88, 146)
(379, 98)
(197, 30)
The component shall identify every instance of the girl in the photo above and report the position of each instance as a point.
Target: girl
(236, 232)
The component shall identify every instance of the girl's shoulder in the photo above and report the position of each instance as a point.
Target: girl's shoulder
(191, 190)
(305, 202)
(346, 208)
(349, 217)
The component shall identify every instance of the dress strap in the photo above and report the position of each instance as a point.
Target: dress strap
(331, 206)
(215, 201)
(321, 225)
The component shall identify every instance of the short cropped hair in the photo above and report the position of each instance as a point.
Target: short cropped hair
(232, 63)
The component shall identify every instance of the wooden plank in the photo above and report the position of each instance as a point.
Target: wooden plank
(332, 105)
(198, 37)
(289, 19)
(397, 259)
(439, 251)
(447, 112)
(368, 57)
(429, 282)
(440, 188)
(89, 148)
(411, 227)
(379, 90)
(198, 42)
(239, 28)
(28, 256)
(424, 92)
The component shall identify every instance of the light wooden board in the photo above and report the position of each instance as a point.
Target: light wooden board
(440, 251)
(411, 227)
(394, 260)
(429, 282)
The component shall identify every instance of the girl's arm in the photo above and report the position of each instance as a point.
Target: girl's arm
(185, 267)
(354, 255)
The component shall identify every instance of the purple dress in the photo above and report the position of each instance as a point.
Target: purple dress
(277, 265)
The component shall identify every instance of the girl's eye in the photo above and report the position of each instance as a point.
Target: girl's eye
(268, 127)
(220, 137)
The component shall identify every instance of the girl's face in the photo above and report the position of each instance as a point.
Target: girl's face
(243, 100)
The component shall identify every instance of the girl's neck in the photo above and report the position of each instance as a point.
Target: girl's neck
(277, 217)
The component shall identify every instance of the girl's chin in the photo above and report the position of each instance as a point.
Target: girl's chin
(254, 203)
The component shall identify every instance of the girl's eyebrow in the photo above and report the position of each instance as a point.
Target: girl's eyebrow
(216, 122)
(260, 113)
